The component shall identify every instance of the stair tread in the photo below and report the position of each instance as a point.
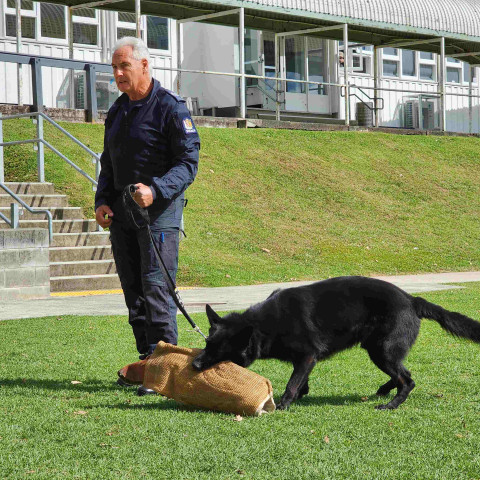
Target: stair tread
(80, 277)
(75, 262)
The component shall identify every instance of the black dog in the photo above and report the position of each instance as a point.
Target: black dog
(306, 324)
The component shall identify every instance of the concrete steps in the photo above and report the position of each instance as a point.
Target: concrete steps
(59, 213)
(80, 257)
(59, 226)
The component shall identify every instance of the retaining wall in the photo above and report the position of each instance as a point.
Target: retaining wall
(24, 264)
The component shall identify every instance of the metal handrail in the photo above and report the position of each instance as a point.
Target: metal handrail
(30, 209)
(40, 141)
(44, 142)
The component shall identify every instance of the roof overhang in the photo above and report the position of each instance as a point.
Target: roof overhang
(278, 19)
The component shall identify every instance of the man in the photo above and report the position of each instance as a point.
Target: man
(150, 141)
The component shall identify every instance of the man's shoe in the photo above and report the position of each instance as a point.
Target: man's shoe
(142, 391)
(122, 383)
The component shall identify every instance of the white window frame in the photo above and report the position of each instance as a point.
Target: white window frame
(364, 55)
(430, 62)
(23, 13)
(51, 40)
(458, 65)
(416, 65)
(475, 76)
(88, 21)
(129, 26)
(392, 58)
(169, 27)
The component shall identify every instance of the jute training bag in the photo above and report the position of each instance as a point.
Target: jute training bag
(225, 387)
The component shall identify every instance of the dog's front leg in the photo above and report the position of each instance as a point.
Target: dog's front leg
(301, 371)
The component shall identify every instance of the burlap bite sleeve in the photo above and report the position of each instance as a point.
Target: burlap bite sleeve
(225, 387)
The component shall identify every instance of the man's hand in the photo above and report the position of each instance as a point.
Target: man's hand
(143, 195)
(100, 213)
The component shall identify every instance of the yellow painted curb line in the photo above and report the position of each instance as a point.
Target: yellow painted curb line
(99, 292)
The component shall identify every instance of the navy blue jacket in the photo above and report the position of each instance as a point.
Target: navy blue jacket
(152, 141)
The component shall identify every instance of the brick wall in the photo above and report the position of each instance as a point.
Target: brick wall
(24, 264)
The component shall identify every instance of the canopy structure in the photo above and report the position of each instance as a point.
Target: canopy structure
(372, 22)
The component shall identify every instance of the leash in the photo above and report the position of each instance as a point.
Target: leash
(143, 221)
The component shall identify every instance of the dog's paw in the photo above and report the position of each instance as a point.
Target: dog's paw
(385, 407)
(282, 406)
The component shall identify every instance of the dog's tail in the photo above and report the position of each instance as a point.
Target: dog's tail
(453, 322)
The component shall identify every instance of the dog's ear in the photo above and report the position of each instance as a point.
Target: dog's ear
(213, 317)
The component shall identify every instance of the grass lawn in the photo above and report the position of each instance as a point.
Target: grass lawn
(52, 428)
(276, 205)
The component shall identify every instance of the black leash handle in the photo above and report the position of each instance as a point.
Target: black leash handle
(143, 221)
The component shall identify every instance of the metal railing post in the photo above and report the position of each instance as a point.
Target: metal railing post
(345, 69)
(40, 150)
(92, 112)
(2, 169)
(241, 41)
(14, 215)
(37, 85)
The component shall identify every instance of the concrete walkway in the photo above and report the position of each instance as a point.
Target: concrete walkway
(221, 299)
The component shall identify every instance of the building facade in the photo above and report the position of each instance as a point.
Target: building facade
(408, 79)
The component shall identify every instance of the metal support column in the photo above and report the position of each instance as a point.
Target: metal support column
(37, 86)
(2, 169)
(19, 50)
(92, 111)
(40, 150)
(345, 69)
(138, 18)
(441, 86)
(277, 83)
(376, 83)
(241, 41)
(71, 73)
(179, 56)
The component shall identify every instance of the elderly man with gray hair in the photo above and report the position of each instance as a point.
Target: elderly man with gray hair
(151, 142)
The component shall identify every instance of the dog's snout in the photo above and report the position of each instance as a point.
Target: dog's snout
(197, 364)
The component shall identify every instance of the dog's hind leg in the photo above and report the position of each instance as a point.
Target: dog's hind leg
(298, 381)
(303, 390)
(399, 377)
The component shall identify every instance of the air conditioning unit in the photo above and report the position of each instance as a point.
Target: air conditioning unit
(410, 114)
(428, 114)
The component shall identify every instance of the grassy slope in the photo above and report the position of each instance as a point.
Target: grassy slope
(275, 205)
(53, 429)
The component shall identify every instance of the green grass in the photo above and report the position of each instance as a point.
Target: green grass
(276, 205)
(51, 428)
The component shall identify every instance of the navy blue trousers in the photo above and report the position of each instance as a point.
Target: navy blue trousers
(152, 312)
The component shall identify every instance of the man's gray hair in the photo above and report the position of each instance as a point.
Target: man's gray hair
(139, 50)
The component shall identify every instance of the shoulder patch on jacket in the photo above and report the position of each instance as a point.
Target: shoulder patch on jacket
(188, 126)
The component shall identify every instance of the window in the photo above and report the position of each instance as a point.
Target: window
(427, 66)
(295, 63)
(28, 26)
(408, 63)
(390, 68)
(391, 62)
(467, 69)
(453, 75)
(52, 21)
(157, 33)
(28, 19)
(454, 70)
(359, 58)
(269, 59)
(85, 26)
(426, 56)
(426, 72)
(126, 25)
(316, 66)
(390, 51)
